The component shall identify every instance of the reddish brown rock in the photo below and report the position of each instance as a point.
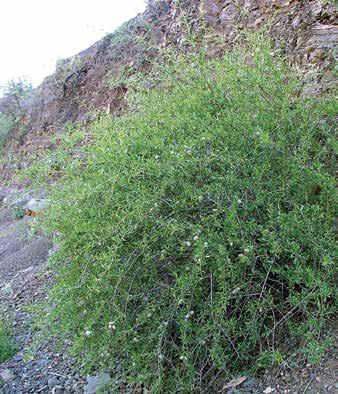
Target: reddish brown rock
(305, 31)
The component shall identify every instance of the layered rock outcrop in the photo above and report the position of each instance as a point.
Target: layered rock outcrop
(306, 31)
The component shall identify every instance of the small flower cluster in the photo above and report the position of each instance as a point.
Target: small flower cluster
(189, 314)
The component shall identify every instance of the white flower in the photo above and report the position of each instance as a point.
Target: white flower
(268, 390)
(88, 333)
(188, 244)
(135, 339)
(189, 314)
(196, 237)
(111, 326)
(239, 201)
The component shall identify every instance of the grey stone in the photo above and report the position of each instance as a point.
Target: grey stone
(96, 383)
(6, 375)
(6, 289)
(37, 205)
(251, 382)
(18, 357)
(53, 381)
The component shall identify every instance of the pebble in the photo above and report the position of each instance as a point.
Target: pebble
(96, 383)
(250, 383)
(53, 381)
(6, 375)
(18, 357)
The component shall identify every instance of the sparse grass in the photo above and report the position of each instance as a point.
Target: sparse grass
(7, 348)
(51, 165)
(198, 239)
(17, 212)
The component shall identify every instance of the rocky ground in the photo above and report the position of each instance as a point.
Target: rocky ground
(23, 276)
(44, 369)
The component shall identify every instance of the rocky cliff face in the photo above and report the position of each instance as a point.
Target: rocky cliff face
(305, 30)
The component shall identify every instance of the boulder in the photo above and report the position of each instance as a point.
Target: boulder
(35, 206)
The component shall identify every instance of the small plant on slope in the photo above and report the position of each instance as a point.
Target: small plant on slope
(7, 348)
(12, 103)
(198, 239)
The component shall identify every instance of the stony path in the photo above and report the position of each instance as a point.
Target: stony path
(34, 369)
(18, 250)
(23, 277)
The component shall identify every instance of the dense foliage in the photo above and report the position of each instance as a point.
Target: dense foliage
(198, 239)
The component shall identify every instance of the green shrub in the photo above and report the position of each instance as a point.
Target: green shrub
(12, 103)
(7, 348)
(18, 212)
(6, 126)
(198, 240)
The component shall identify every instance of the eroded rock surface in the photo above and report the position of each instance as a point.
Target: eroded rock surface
(306, 32)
